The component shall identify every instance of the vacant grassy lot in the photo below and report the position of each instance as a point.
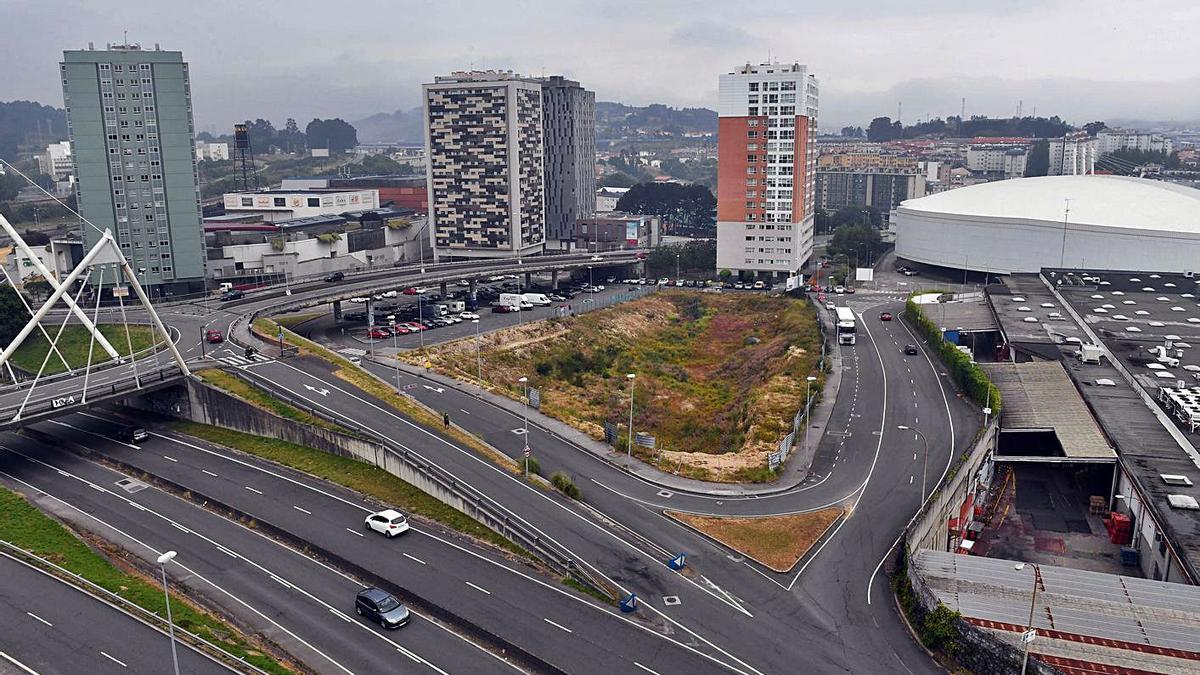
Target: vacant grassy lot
(778, 542)
(719, 376)
(23, 525)
(74, 345)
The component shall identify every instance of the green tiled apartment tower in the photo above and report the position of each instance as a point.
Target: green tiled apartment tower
(129, 114)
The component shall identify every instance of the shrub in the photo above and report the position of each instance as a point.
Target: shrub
(968, 375)
(565, 485)
(535, 467)
(939, 630)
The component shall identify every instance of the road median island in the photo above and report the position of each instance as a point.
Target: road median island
(24, 526)
(776, 542)
(718, 378)
(74, 345)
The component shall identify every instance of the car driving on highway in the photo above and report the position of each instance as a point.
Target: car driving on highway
(382, 607)
(911, 350)
(388, 522)
(885, 316)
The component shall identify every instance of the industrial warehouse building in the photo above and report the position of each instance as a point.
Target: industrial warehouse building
(1026, 224)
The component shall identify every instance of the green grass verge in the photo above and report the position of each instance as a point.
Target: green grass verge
(261, 399)
(74, 343)
(359, 476)
(572, 582)
(293, 320)
(23, 525)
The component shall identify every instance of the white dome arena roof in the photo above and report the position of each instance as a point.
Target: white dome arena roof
(1100, 201)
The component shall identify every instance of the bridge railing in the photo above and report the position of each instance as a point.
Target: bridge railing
(62, 401)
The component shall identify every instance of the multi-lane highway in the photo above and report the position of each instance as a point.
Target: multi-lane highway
(832, 613)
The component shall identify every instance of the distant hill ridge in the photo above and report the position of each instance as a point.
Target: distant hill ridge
(612, 120)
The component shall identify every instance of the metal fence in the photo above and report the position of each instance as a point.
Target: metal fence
(777, 458)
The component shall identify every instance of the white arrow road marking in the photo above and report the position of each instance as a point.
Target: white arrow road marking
(322, 392)
(439, 390)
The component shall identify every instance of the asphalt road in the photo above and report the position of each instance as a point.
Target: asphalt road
(287, 597)
(505, 598)
(728, 609)
(47, 627)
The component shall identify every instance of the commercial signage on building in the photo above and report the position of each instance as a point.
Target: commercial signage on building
(631, 233)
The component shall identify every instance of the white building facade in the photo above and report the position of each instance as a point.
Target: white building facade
(1007, 160)
(57, 161)
(211, 152)
(1073, 155)
(276, 206)
(767, 151)
(1111, 140)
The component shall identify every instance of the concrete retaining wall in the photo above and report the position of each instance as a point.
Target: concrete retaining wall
(930, 529)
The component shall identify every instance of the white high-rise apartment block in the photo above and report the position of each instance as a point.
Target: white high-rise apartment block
(1073, 155)
(766, 155)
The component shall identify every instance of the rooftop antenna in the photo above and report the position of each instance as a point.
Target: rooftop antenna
(125, 34)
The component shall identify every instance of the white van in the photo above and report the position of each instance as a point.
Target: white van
(536, 299)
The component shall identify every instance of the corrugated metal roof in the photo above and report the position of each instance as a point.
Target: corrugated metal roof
(1040, 395)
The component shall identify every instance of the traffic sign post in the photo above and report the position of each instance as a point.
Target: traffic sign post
(1028, 636)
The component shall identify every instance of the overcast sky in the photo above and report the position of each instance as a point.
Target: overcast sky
(1082, 60)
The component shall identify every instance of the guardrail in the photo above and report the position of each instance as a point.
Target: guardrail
(480, 506)
(121, 604)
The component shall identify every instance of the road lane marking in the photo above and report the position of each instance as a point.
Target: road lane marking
(170, 458)
(301, 510)
(281, 581)
(257, 492)
(341, 615)
(354, 532)
(910, 480)
(653, 672)
(481, 589)
(35, 616)
(180, 527)
(24, 668)
(415, 559)
(112, 658)
(208, 472)
(558, 625)
(226, 551)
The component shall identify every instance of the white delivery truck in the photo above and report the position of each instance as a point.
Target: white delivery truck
(845, 325)
(536, 299)
(512, 300)
(455, 306)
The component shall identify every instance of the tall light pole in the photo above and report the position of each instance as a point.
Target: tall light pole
(478, 358)
(1028, 637)
(629, 450)
(525, 381)
(925, 463)
(395, 346)
(162, 564)
(677, 268)
(808, 408)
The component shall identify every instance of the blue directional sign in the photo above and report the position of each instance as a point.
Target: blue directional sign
(678, 562)
(629, 604)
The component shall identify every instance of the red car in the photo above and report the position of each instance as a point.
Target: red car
(886, 316)
(411, 290)
(213, 337)
(400, 329)
(379, 333)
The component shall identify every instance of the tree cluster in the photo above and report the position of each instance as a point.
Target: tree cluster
(694, 256)
(883, 129)
(335, 134)
(825, 221)
(853, 132)
(1130, 156)
(856, 240)
(379, 165)
(692, 206)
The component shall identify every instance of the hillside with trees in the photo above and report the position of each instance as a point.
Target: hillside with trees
(617, 120)
(883, 129)
(29, 125)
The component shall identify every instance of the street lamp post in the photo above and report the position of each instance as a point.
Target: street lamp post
(1026, 639)
(525, 411)
(676, 268)
(478, 358)
(629, 450)
(162, 564)
(925, 463)
(808, 409)
(395, 346)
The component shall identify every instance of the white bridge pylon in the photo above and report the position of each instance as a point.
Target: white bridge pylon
(105, 251)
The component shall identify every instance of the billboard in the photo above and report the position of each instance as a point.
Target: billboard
(864, 274)
(794, 282)
(631, 232)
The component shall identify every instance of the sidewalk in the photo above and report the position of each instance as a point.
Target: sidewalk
(795, 470)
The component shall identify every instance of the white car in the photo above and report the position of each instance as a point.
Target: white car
(358, 300)
(597, 258)
(830, 306)
(387, 522)
(469, 316)
(839, 289)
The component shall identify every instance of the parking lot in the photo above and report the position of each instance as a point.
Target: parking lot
(1150, 322)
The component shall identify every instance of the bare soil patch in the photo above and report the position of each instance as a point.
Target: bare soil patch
(778, 542)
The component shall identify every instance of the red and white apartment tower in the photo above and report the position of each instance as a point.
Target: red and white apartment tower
(766, 153)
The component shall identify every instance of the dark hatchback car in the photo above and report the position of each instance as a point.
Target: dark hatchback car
(911, 350)
(381, 607)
